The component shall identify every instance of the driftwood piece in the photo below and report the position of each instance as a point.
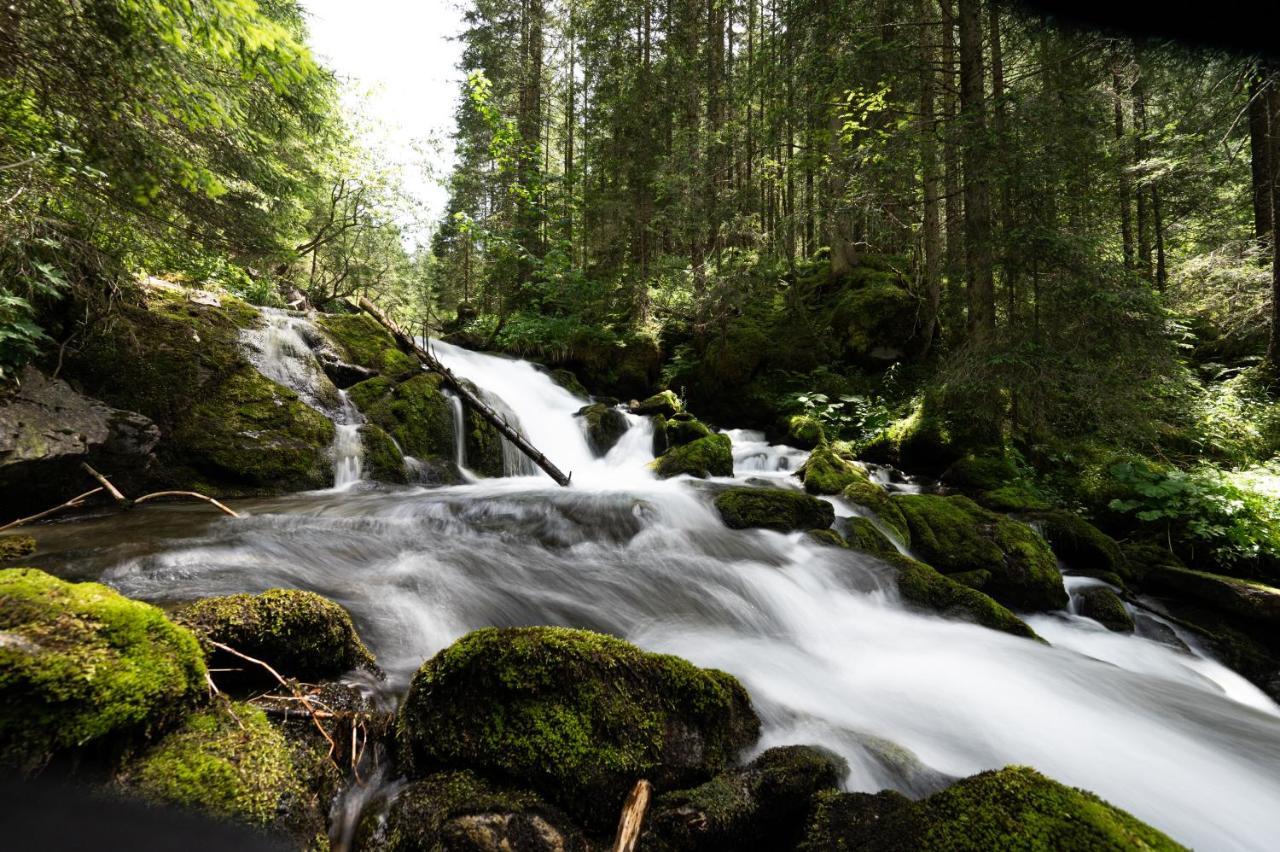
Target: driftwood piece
(408, 344)
(632, 819)
(194, 495)
(74, 503)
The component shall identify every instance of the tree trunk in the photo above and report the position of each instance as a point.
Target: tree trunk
(951, 150)
(931, 240)
(1126, 216)
(1140, 156)
(1261, 148)
(977, 183)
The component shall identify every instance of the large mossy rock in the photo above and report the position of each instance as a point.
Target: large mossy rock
(225, 428)
(1105, 607)
(1013, 808)
(300, 634)
(229, 761)
(1080, 545)
(577, 716)
(826, 471)
(1253, 604)
(922, 442)
(773, 509)
(381, 459)
(605, 426)
(417, 414)
(995, 482)
(683, 428)
(874, 316)
(869, 495)
(803, 431)
(367, 344)
(80, 663)
(482, 443)
(922, 586)
(957, 536)
(460, 811)
(864, 536)
(709, 456)
(761, 806)
(665, 403)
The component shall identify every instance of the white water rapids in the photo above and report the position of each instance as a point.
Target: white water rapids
(825, 649)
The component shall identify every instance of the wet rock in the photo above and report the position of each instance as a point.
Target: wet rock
(683, 428)
(773, 509)
(46, 431)
(365, 343)
(1013, 808)
(300, 634)
(567, 380)
(1080, 545)
(79, 663)
(956, 535)
(827, 538)
(709, 456)
(382, 460)
(1105, 607)
(1250, 602)
(1156, 630)
(826, 471)
(462, 812)
(605, 426)
(804, 432)
(665, 403)
(861, 534)
(577, 716)
(416, 413)
(922, 586)
(660, 442)
(343, 374)
(16, 547)
(871, 496)
(761, 806)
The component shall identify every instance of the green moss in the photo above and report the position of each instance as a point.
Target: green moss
(79, 662)
(578, 716)
(762, 806)
(567, 380)
(227, 760)
(867, 494)
(382, 459)
(825, 471)
(773, 509)
(460, 810)
(861, 534)
(16, 547)
(981, 473)
(483, 444)
(367, 343)
(1079, 544)
(1013, 808)
(605, 426)
(827, 538)
(875, 316)
(415, 412)
(684, 428)
(665, 403)
(709, 456)
(1016, 497)
(804, 432)
(924, 587)
(1242, 599)
(955, 535)
(300, 634)
(1105, 607)
(923, 441)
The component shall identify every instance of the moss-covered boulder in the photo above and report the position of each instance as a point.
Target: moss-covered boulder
(367, 344)
(957, 536)
(1013, 808)
(869, 495)
(1105, 607)
(577, 716)
(567, 380)
(709, 456)
(874, 317)
(1253, 604)
(994, 481)
(382, 460)
(660, 442)
(225, 428)
(761, 806)
(300, 634)
(923, 587)
(605, 426)
(462, 811)
(16, 547)
(683, 428)
(417, 414)
(80, 663)
(483, 445)
(826, 471)
(827, 538)
(665, 403)
(1080, 545)
(773, 509)
(863, 535)
(229, 761)
(803, 431)
(922, 442)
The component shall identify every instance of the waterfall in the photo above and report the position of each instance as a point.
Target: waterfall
(348, 448)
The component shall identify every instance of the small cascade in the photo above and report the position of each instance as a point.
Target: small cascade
(514, 462)
(348, 448)
(280, 350)
(753, 454)
(459, 413)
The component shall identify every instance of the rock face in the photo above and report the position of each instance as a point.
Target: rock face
(576, 716)
(417, 415)
(300, 634)
(462, 811)
(1014, 808)
(773, 509)
(605, 426)
(762, 806)
(46, 431)
(79, 663)
(999, 556)
(1080, 545)
(709, 456)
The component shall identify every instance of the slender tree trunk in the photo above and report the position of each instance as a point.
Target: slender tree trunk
(931, 239)
(1140, 156)
(951, 149)
(1260, 147)
(977, 182)
(1126, 214)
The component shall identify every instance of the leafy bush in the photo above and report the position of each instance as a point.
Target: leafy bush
(852, 416)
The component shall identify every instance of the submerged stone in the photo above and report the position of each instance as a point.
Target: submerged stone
(16, 547)
(577, 716)
(956, 535)
(80, 663)
(300, 634)
(1013, 808)
(709, 456)
(605, 426)
(773, 509)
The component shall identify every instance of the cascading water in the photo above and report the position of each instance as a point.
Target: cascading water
(348, 449)
(815, 633)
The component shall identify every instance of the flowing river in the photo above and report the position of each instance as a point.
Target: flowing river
(815, 633)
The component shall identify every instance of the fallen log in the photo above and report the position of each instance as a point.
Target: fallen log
(409, 345)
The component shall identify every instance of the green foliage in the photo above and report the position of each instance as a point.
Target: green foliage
(851, 416)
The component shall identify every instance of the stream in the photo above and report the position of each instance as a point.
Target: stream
(815, 633)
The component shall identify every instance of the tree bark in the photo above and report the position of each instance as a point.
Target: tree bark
(931, 241)
(1261, 150)
(1126, 214)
